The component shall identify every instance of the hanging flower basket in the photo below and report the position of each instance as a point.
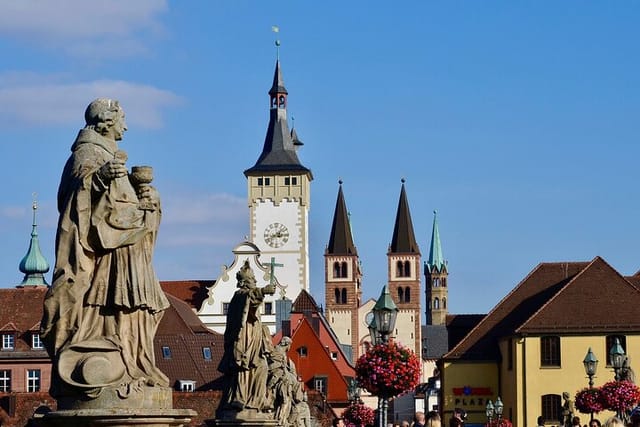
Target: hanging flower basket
(388, 370)
(358, 414)
(619, 395)
(589, 400)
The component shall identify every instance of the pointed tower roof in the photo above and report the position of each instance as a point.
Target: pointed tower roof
(341, 240)
(279, 150)
(436, 260)
(404, 239)
(34, 265)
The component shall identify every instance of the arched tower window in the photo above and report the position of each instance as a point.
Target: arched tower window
(436, 282)
(407, 269)
(407, 294)
(337, 296)
(436, 303)
(400, 295)
(344, 269)
(399, 269)
(344, 296)
(336, 269)
(444, 303)
(444, 282)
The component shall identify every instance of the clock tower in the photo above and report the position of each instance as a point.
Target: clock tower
(278, 196)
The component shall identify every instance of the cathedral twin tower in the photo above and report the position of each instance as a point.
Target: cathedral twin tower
(278, 198)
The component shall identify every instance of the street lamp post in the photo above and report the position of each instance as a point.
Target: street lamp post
(499, 407)
(489, 411)
(385, 312)
(590, 363)
(617, 358)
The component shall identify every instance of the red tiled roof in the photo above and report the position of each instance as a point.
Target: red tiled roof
(587, 302)
(518, 306)
(193, 292)
(304, 303)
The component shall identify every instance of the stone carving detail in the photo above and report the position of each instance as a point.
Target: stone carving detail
(283, 384)
(103, 309)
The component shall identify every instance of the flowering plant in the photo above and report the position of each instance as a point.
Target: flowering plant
(388, 370)
(619, 395)
(500, 422)
(358, 414)
(589, 400)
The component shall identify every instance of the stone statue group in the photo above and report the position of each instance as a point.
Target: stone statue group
(260, 380)
(103, 309)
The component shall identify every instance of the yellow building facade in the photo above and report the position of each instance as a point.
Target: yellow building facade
(530, 348)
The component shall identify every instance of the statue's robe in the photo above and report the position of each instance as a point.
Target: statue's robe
(247, 345)
(104, 285)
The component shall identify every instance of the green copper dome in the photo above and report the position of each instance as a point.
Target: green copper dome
(34, 265)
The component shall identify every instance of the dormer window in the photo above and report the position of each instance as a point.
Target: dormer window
(302, 351)
(206, 353)
(36, 342)
(8, 341)
(187, 385)
(166, 352)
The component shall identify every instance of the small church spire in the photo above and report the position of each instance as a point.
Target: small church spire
(436, 260)
(341, 239)
(34, 264)
(404, 239)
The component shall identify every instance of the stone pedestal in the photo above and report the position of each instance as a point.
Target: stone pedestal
(116, 418)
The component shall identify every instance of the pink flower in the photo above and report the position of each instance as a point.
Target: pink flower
(388, 370)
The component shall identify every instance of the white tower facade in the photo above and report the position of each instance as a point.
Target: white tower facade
(278, 188)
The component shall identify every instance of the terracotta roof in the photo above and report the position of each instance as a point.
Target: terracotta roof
(304, 303)
(187, 360)
(193, 292)
(587, 302)
(517, 307)
(179, 318)
(18, 306)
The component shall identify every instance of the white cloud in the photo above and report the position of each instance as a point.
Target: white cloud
(47, 100)
(114, 27)
(218, 220)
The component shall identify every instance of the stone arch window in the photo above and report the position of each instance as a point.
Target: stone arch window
(444, 282)
(343, 296)
(407, 269)
(344, 269)
(407, 294)
(399, 269)
(444, 303)
(336, 269)
(436, 282)
(337, 294)
(436, 303)
(400, 294)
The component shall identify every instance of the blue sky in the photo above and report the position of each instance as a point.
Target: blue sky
(517, 121)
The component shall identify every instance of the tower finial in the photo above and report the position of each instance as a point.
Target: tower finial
(402, 180)
(276, 30)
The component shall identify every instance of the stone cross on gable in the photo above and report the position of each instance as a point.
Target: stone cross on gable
(273, 266)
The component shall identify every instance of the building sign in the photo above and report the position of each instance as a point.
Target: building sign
(468, 396)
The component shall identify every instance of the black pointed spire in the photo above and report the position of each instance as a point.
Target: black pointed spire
(279, 150)
(341, 240)
(404, 239)
(278, 83)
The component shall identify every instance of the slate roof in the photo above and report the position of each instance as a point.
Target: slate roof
(558, 298)
(404, 239)
(279, 151)
(193, 292)
(340, 239)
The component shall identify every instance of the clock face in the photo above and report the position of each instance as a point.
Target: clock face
(276, 235)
